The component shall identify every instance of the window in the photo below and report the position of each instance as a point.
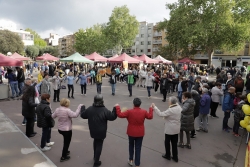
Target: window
(133, 50)
(142, 27)
(141, 50)
(149, 50)
(142, 35)
(149, 35)
(149, 42)
(149, 28)
(142, 43)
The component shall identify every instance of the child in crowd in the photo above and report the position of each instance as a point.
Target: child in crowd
(239, 115)
(237, 99)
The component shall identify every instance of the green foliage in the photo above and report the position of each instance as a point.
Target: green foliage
(38, 41)
(10, 42)
(208, 24)
(49, 49)
(122, 28)
(32, 51)
(91, 40)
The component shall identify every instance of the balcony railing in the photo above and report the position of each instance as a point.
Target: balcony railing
(157, 34)
(155, 49)
(157, 42)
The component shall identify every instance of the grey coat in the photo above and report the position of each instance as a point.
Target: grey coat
(45, 87)
(187, 117)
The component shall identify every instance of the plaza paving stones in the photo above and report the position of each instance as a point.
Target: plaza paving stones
(213, 149)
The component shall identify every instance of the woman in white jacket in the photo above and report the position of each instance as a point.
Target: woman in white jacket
(149, 83)
(172, 127)
(56, 84)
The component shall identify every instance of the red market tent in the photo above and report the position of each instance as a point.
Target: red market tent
(96, 57)
(162, 60)
(19, 57)
(124, 57)
(47, 57)
(135, 56)
(7, 61)
(187, 60)
(147, 60)
(115, 56)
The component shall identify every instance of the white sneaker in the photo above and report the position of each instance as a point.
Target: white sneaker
(50, 144)
(46, 148)
(130, 163)
(23, 124)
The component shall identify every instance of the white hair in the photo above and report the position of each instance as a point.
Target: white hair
(173, 100)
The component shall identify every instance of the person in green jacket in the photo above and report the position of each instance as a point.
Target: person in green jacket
(130, 82)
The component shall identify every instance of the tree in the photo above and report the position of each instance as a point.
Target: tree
(91, 40)
(121, 29)
(32, 51)
(49, 49)
(10, 42)
(38, 41)
(208, 25)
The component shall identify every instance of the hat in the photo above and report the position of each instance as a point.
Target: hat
(205, 90)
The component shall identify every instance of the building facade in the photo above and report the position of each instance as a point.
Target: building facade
(158, 40)
(53, 40)
(66, 45)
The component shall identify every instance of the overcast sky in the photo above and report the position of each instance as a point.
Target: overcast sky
(67, 16)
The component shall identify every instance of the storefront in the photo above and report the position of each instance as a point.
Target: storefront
(230, 61)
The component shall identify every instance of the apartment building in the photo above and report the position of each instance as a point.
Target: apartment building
(158, 40)
(143, 43)
(66, 45)
(53, 40)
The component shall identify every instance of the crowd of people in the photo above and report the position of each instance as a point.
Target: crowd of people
(196, 97)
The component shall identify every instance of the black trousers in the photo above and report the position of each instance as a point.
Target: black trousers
(29, 126)
(174, 140)
(46, 135)
(130, 89)
(97, 146)
(164, 93)
(83, 87)
(67, 135)
(56, 95)
(156, 86)
(239, 90)
(214, 106)
(71, 88)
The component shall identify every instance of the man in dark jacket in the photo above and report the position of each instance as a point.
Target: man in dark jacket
(197, 84)
(13, 82)
(164, 86)
(20, 79)
(227, 107)
(196, 97)
(98, 116)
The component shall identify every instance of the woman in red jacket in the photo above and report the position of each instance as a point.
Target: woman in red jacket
(136, 129)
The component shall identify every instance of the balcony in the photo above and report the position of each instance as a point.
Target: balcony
(155, 49)
(157, 34)
(157, 42)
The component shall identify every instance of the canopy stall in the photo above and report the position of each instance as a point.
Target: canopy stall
(135, 56)
(7, 61)
(187, 60)
(19, 57)
(147, 60)
(76, 57)
(124, 57)
(47, 57)
(162, 60)
(96, 57)
(115, 56)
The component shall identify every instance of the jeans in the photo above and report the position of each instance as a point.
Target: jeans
(20, 87)
(46, 135)
(97, 146)
(149, 90)
(29, 126)
(236, 127)
(56, 95)
(225, 119)
(14, 89)
(99, 88)
(113, 88)
(130, 89)
(180, 96)
(174, 140)
(203, 119)
(67, 135)
(189, 87)
(135, 143)
(71, 87)
(187, 135)
(83, 87)
(214, 106)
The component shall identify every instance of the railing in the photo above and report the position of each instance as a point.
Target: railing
(157, 42)
(157, 34)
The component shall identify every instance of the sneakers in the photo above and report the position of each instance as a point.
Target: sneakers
(130, 162)
(23, 124)
(97, 163)
(50, 144)
(45, 148)
(166, 157)
(64, 158)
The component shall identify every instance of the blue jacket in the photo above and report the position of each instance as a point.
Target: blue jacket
(228, 102)
(83, 79)
(11, 77)
(205, 104)
(70, 79)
